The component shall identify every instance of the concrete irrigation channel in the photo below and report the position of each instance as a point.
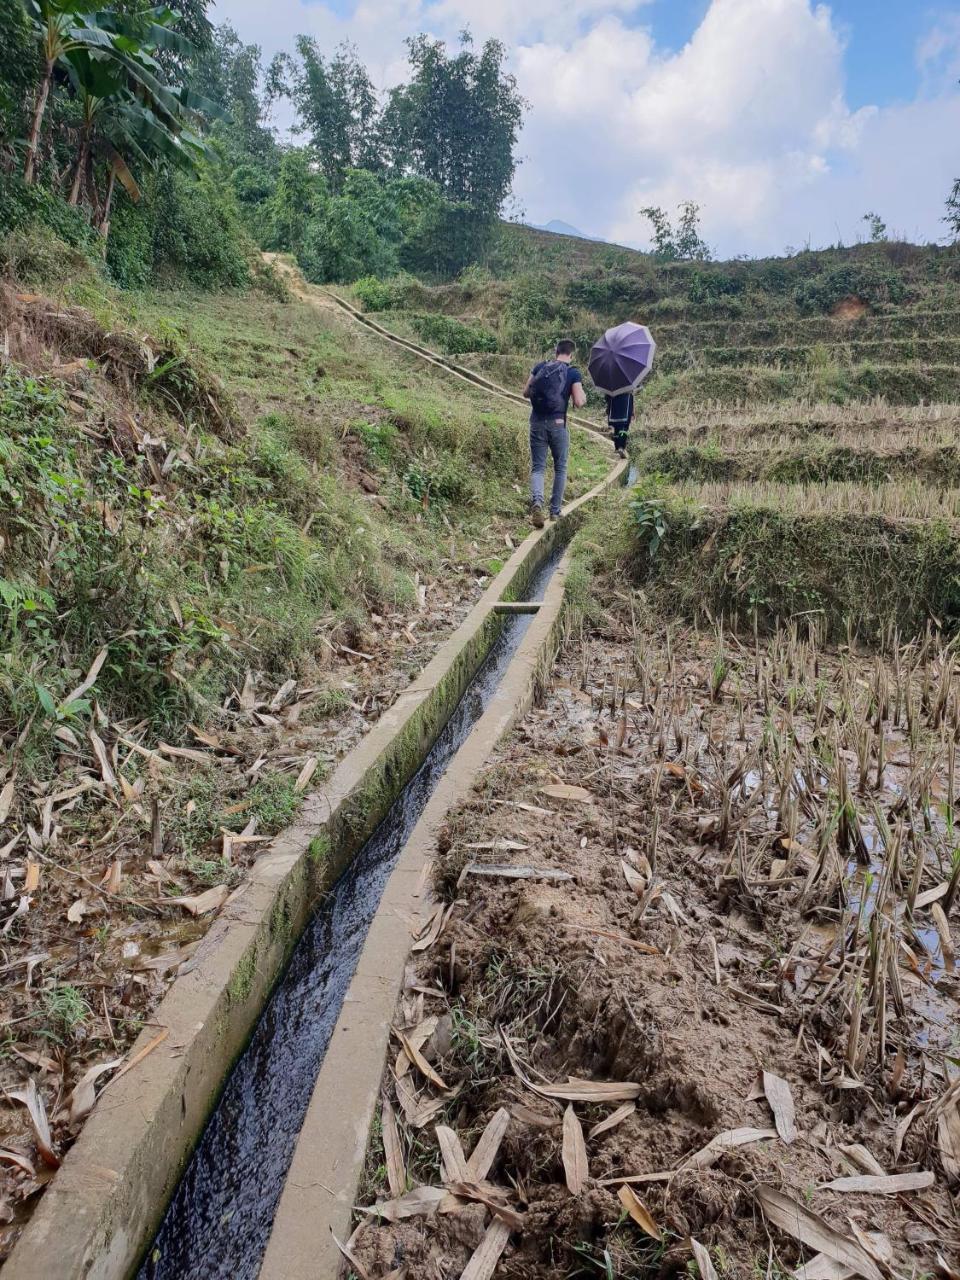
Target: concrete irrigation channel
(236, 1142)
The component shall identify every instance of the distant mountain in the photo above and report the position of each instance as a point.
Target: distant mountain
(564, 229)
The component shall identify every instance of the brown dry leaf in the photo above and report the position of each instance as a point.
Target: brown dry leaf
(904, 1125)
(32, 1099)
(160, 871)
(948, 1140)
(781, 1104)
(431, 930)
(451, 1155)
(201, 904)
(633, 878)
(429, 1110)
(638, 1211)
(943, 931)
(392, 1150)
(187, 753)
(810, 1229)
(359, 1270)
(887, 1184)
(702, 1259)
(139, 1056)
(103, 760)
(419, 1061)
(574, 1152)
(84, 1095)
(494, 1198)
(821, 1267)
(418, 1203)
(111, 879)
(305, 774)
(487, 1254)
(575, 1090)
(612, 1120)
(19, 1159)
(90, 678)
(77, 910)
(860, 1156)
(485, 1152)
(564, 791)
(6, 799)
(31, 880)
(931, 895)
(711, 1153)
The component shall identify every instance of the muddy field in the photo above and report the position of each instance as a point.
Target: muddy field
(688, 1004)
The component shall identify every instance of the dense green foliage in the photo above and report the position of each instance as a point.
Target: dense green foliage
(155, 128)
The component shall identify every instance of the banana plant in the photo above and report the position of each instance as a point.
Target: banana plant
(128, 113)
(61, 27)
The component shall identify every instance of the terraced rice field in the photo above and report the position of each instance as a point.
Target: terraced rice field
(693, 1003)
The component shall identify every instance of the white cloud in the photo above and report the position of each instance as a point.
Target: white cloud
(750, 118)
(938, 53)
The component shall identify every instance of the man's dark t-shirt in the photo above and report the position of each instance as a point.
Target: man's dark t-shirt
(573, 377)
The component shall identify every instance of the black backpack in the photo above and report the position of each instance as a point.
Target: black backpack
(548, 389)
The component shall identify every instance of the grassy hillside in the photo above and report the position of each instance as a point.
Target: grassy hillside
(232, 527)
(843, 325)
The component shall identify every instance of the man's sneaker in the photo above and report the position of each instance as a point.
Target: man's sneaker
(621, 453)
(536, 516)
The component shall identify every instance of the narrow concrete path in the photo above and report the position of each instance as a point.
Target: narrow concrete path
(324, 1175)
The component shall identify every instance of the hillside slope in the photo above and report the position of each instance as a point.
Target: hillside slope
(232, 527)
(840, 324)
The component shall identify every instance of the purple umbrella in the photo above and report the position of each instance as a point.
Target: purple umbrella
(622, 358)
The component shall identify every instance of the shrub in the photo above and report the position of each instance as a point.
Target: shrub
(453, 336)
(872, 282)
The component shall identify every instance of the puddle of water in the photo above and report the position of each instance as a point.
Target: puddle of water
(218, 1222)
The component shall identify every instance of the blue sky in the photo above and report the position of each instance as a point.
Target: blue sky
(786, 120)
(881, 38)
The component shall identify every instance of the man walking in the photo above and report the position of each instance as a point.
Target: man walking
(619, 417)
(550, 387)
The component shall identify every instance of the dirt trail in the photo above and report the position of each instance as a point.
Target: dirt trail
(658, 1010)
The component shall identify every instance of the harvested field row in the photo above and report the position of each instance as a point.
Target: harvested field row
(777, 330)
(782, 423)
(691, 1003)
(897, 384)
(826, 460)
(909, 499)
(863, 574)
(887, 351)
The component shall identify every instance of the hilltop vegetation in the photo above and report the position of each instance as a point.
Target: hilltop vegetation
(879, 319)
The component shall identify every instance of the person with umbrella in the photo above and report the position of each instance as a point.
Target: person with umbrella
(618, 364)
(551, 386)
(619, 417)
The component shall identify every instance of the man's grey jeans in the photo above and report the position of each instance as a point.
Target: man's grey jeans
(548, 433)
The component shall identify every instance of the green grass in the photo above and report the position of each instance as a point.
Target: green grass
(253, 533)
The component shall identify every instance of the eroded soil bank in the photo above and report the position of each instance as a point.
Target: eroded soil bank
(697, 931)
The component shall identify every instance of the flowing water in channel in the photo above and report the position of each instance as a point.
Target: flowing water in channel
(219, 1220)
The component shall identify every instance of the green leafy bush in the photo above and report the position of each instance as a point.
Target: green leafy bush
(453, 336)
(871, 282)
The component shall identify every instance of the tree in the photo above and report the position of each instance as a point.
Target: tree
(337, 109)
(456, 122)
(878, 228)
(680, 244)
(952, 218)
(232, 74)
(61, 27)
